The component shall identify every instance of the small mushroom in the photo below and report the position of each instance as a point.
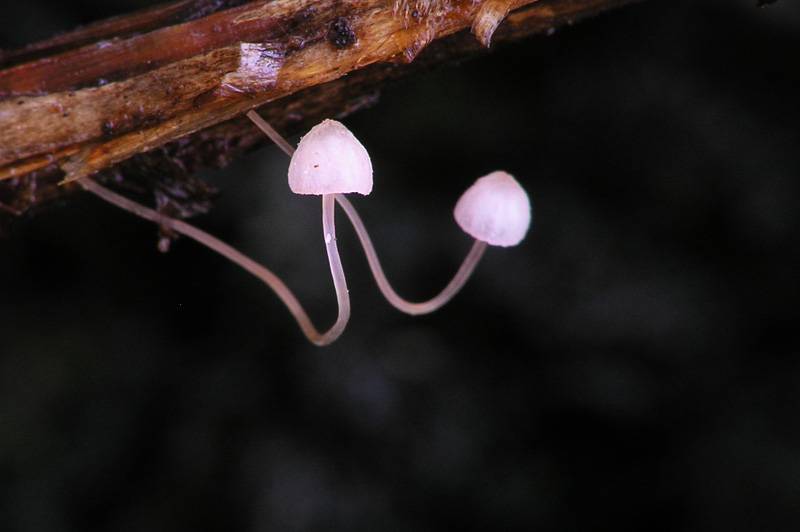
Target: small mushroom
(330, 161)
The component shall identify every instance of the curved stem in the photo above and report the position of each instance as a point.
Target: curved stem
(463, 273)
(272, 280)
(268, 130)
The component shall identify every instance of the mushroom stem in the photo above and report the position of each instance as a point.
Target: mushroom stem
(272, 280)
(461, 276)
(337, 272)
(274, 136)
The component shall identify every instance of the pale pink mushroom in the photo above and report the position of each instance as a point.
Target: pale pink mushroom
(329, 161)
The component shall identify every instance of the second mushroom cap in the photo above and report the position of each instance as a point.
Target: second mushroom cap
(495, 209)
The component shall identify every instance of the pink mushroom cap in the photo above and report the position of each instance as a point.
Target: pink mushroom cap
(495, 209)
(330, 160)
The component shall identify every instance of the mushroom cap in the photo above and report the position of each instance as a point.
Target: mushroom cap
(495, 209)
(330, 160)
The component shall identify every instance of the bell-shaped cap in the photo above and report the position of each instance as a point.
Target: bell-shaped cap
(330, 160)
(495, 209)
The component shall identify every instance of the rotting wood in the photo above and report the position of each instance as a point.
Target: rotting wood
(167, 87)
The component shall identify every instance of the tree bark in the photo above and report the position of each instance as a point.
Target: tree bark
(146, 99)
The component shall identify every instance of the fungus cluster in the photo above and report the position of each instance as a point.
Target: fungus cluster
(329, 161)
(495, 210)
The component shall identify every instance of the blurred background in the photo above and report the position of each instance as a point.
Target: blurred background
(632, 365)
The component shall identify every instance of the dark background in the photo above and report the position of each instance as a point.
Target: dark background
(632, 365)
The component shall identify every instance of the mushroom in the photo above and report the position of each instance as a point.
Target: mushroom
(495, 211)
(329, 161)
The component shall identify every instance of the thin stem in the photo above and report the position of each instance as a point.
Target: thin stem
(242, 260)
(463, 273)
(337, 272)
(276, 137)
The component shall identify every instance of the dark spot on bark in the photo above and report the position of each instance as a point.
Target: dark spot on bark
(144, 121)
(223, 91)
(296, 42)
(340, 34)
(108, 128)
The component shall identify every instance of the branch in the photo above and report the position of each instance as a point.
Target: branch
(148, 98)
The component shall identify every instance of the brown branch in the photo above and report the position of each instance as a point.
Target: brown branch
(167, 87)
